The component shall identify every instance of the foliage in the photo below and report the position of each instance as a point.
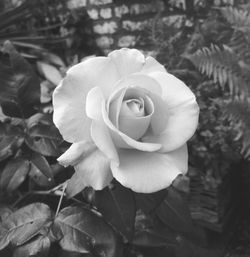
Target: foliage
(212, 149)
(111, 222)
(228, 64)
(37, 28)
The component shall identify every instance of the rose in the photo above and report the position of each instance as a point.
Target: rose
(127, 118)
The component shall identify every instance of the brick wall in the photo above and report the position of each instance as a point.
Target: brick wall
(118, 23)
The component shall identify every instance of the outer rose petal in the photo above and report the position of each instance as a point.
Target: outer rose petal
(93, 171)
(101, 137)
(76, 153)
(145, 172)
(151, 65)
(94, 103)
(141, 81)
(127, 61)
(70, 96)
(69, 116)
(182, 110)
(99, 131)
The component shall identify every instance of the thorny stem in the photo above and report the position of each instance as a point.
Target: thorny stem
(57, 191)
(61, 197)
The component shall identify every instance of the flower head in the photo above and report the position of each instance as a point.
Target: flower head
(129, 113)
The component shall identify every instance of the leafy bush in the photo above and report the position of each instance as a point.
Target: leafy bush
(37, 220)
(227, 63)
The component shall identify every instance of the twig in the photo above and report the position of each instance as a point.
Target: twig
(61, 197)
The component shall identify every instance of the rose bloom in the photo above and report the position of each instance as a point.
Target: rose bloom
(128, 119)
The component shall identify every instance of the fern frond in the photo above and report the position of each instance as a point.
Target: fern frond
(240, 45)
(223, 65)
(238, 112)
(238, 18)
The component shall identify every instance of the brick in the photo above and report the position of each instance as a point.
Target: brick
(178, 3)
(104, 42)
(121, 10)
(126, 41)
(100, 2)
(106, 13)
(73, 4)
(93, 14)
(143, 8)
(106, 28)
(134, 25)
(175, 20)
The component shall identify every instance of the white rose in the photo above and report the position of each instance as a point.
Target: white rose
(127, 118)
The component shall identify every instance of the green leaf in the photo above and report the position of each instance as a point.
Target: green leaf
(5, 211)
(44, 139)
(11, 139)
(181, 183)
(50, 72)
(40, 170)
(150, 234)
(38, 247)
(19, 85)
(174, 212)
(149, 202)
(14, 174)
(117, 205)
(24, 224)
(83, 230)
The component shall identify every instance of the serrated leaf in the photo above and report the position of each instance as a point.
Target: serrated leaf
(117, 205)
(11, 139)
(38, 177)
(90, 232)
(149, 202)
(19, 85)
(14, 174)
(39, 118)
(37, 247)
(5, 211)
(150, 234)
(8, 146)
(44, 140)
(24, 224)
(50, 72)
(174, 212)
(43, 166)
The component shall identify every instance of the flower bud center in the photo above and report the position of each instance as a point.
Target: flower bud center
(134, 107)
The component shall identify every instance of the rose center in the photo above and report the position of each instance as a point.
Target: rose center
(134, 107)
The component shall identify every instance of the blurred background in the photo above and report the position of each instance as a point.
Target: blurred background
(204, 43)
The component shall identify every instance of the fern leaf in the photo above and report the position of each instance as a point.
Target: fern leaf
(223, 65)
(238, 18)
(240, 45)
(238, 112)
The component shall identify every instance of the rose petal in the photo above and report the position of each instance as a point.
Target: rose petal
(114, 105)
(93, 103)
(182, 110)
(69, 115)
(149, 172)
(135, 127)
(76, 153)
(70, 96)
(94, 171)
(123, 141)
(159, 118)
(141, 81)
(127, 61)
(96, 72)
(151, 65)
(101, 136)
